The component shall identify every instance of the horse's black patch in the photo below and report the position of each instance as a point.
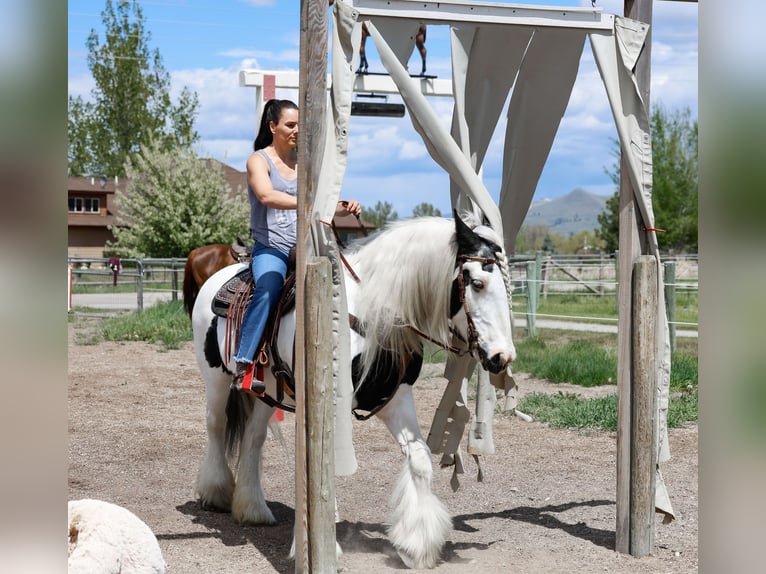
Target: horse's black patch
(212, 352)
(383, 379)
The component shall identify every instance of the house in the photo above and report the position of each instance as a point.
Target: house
(92, 209)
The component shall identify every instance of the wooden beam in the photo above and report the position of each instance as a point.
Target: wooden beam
(312, 101)
(320, 416)
(643, 453)
(632, 244)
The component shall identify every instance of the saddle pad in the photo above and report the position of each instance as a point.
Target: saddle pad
(241, 285)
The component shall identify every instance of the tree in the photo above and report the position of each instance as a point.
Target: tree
(131, 101)
(425, 210)
(609, 219)
(174, 203)
(382, 213)
(675, 183)
(530, 238)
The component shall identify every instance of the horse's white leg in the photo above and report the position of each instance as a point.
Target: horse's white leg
(419, 521)
(215, 482)
(249, 504)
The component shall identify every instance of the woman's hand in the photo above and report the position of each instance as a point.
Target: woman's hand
(351, 206)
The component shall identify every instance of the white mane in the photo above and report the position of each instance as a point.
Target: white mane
(405, 273)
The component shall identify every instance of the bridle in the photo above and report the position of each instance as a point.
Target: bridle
(472, 342)
(473, 336)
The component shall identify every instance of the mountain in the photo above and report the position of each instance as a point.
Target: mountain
(573, 212)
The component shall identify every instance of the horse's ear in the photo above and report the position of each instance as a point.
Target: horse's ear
(467, 240)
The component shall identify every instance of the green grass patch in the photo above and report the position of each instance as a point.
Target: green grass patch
(165, 323)
(590, 359)
(567, 410)
(580, 362)
(683, 371)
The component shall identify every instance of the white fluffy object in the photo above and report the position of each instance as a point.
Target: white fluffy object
(108, 539)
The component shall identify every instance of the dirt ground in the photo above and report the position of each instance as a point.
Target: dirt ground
(137, 434)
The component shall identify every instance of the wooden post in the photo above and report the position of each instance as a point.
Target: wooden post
(670, 301)
(531, 298)
(631, 245)
(643, 454)
(312, 101)
(539, 274)
(320, 419)
(174, 279)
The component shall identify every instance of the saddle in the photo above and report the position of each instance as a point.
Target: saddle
(239, 251)
(230, 303)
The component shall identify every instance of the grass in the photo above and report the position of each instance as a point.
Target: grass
(165, 323)
(567, 410)
(580, 362)
(590, 359)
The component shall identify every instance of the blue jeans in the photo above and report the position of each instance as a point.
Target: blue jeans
(269, 267)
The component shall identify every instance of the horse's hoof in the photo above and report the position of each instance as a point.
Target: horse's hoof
(210, 507)
(412, 563)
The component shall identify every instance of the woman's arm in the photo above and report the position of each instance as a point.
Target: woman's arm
(260, 183)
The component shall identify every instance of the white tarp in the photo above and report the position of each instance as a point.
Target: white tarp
(539, 64)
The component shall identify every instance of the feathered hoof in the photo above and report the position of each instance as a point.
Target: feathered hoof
(251, 513)
(217, 500)
(214, 507)
(419, 560)
(419, 531)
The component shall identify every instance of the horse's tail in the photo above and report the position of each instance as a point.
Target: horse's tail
(239, 406)
(191, 289)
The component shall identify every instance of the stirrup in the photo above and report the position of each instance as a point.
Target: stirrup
(245, 381)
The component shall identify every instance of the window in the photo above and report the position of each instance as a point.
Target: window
(84, 204)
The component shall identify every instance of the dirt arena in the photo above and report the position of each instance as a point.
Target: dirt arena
(137, 434)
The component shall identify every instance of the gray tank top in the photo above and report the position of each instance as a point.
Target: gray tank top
(269, 226)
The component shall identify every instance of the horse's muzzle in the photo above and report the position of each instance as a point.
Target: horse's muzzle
(496, 363)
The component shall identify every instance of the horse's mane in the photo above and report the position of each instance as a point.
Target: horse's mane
(405, 273)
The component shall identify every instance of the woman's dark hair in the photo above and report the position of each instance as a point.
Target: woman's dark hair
(272, 111)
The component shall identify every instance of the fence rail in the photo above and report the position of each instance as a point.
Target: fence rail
(537, 280)
(139, 276)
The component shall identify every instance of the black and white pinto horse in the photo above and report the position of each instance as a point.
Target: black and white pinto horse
(420, 278)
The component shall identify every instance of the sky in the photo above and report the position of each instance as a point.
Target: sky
(205, 44)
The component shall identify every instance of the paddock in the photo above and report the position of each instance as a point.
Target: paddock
(136, 435)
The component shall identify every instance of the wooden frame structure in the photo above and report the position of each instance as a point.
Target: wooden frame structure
(637, 383)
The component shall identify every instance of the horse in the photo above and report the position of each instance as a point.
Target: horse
(420, 280)
(201, 263)
(420, 44)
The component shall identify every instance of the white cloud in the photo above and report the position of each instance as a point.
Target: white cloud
(80, 85)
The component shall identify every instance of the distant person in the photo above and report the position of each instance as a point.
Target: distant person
(272, 189)
(420, 43)
(116, 266)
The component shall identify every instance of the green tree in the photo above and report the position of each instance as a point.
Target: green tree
(174, 203)
(609, 219)
(131, 101)
(548, 245)
(675, 183)
(530, 238)
(382, 213)
(425, 210)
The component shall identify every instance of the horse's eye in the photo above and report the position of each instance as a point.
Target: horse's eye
(477, 284)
